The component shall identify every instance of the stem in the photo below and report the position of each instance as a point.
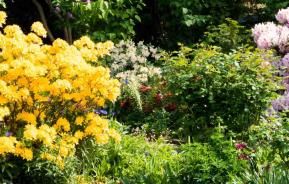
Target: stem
(66, 34)
(69, 35)
(43, 19)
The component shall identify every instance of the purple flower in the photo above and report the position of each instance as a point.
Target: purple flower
(57, 9)
(69, 15)
(86, 1)
(8, 134)
(101, 112)
(285, 61)
(281, 103)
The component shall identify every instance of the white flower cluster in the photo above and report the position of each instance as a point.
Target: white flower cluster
(133, 61)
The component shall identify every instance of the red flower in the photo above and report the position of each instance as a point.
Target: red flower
(159, 97)
(124, 104)
(168, 94)
(144, 88)
(243, 156)
(171, 107)
(240, 146)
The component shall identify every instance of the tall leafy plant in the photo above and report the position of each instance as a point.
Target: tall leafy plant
(190, 18)
(101, 19)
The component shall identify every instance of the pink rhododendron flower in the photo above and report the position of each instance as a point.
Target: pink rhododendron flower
(264, 28)
(284, 40)
(283, 16)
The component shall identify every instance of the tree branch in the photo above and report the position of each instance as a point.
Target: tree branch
(43, 19)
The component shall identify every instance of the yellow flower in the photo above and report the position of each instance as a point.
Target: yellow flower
(38, 28)
(59, 87)
(30, 132)
(13, 31)
(22, 151)
(59, 44)
(33, 38)
(62, 84)
(26, 116)
(90, 116)
(4, 111)
(4, 67)
(42, 82)
(47, 156)
(7, 144)
(79, 135)
(84, 41)
(101, 138)
(3, 17)
(79, 120)
(46, 134)
(3, 100)
(63, 151)
(39, 114)
(114, 134)
(62, 123)
(108, 44)
(59, 162)
(81, 179)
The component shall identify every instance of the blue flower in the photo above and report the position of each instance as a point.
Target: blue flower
(101, 112)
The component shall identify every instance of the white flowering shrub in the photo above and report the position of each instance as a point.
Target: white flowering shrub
(129, 61)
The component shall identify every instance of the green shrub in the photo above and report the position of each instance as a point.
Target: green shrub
(233, 35)
(268, 152)
(15, 170)
(134, 160)
(213, 162)
(213, 88)
(272, 135)
(137, 160)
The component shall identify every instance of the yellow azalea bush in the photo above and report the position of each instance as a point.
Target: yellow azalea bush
(48, 94)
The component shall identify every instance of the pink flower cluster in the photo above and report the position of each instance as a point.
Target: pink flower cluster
(269, 35)
(266, 35)
(283, 16)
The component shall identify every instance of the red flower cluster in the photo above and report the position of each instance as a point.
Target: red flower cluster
(240, 146)
(144, 88)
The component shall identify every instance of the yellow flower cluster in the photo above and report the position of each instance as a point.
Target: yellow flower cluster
(26, 116)
(90, 51)
(3, 17)
(11, 145)
(49, 93)
(38, 28)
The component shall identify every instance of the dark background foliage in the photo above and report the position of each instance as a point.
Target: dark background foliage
(161, 22)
